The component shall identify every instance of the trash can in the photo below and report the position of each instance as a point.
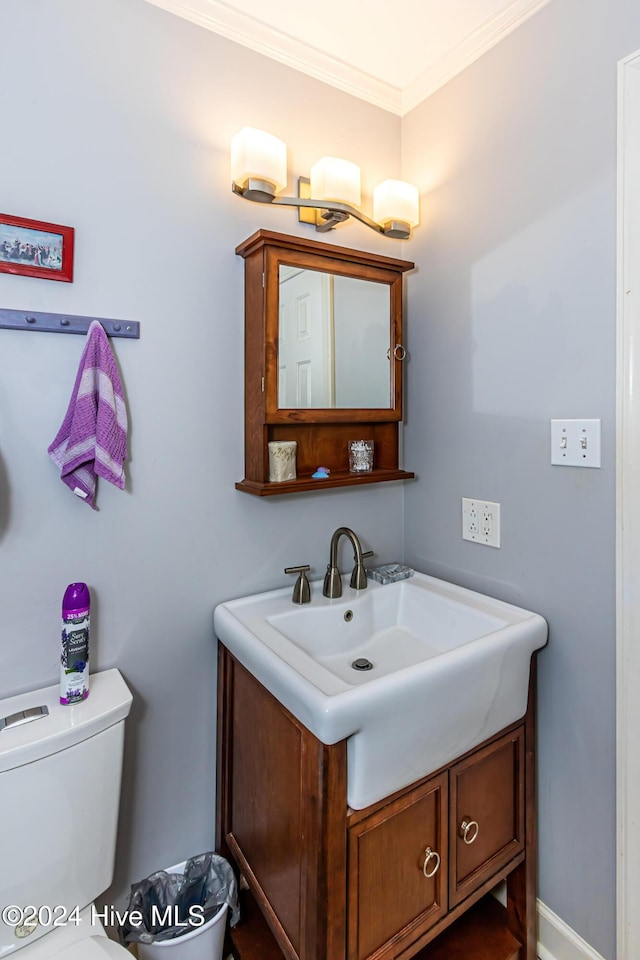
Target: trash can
(180, 913)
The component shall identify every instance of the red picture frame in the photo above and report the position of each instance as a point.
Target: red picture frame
(35, 248)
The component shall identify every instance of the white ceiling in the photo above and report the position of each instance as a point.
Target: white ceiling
(393, 53)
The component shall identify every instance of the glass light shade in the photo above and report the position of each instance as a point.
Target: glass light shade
(258, 155)
(396, 200)
(337, 180)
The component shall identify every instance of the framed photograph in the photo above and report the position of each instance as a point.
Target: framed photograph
(34, 248)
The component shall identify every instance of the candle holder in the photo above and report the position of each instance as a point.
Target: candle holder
(360, 456)
(282, 460)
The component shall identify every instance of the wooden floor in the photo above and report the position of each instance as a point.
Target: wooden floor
(479, 935)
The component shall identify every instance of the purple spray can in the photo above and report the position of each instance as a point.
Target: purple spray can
(74, 659)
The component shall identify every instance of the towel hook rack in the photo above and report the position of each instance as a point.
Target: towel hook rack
(65, 323)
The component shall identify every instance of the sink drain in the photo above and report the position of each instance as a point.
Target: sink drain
(362, 664)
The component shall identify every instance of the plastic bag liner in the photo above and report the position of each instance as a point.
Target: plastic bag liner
(206, 883)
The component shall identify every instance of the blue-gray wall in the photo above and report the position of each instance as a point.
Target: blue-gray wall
(116, 119)
(511, 321)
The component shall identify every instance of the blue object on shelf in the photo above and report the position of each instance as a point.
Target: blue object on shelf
(322, 473)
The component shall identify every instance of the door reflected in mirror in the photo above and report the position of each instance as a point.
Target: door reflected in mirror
(333, 341)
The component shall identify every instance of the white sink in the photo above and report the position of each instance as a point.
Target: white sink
(450, 668)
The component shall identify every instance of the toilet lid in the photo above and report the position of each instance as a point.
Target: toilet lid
(93, 948)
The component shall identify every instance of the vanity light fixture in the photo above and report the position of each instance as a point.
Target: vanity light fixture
(329, 196)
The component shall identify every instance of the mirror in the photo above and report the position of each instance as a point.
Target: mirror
(333, 341)
(341, 387)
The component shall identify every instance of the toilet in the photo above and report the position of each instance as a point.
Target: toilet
(60, 774)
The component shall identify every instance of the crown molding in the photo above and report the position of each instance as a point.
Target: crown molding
(219, 17)
(258, 36)
(468, 50)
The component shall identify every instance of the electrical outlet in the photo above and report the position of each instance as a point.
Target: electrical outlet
(481, 522)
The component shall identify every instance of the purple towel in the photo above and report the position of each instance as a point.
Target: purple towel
(92, 440)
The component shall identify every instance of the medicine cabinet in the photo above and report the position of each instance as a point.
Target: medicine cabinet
(324, 358)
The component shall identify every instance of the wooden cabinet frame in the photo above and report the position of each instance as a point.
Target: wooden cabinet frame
(321, 434)
(282, 818)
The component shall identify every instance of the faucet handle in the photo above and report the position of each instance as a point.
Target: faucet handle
(359, 574)
(301, 590)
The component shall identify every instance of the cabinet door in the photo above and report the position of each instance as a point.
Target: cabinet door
(398, 871)
(486, 827)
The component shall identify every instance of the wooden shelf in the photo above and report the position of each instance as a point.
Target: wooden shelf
(481, 933)
(303, 484)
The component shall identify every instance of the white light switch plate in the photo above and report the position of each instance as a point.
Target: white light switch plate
(481, 522)
(575, 443)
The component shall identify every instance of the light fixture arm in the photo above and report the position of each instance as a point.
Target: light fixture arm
(329, 212)
(343, 211)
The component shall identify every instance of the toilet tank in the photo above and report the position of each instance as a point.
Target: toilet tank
(59, 794)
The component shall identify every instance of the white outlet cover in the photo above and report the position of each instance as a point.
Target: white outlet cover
(481, 522)
(575, 443)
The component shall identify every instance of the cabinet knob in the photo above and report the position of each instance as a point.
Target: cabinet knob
(469, 830)
(430, 855)
(399, 352)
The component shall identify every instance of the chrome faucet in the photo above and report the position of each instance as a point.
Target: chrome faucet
(332, 579)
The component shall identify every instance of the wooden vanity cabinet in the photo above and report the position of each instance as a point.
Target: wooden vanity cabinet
(409, 876)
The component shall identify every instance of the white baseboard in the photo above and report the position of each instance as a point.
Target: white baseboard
(557, 941)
